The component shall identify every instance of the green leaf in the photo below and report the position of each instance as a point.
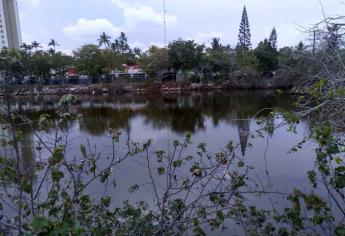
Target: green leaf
(83, 150)
(67, 99)
(106, 201)
(57, 156)
(57, 175)
(339, 177)
(312, 178)
(340, 230)
(188, 137)
(176, 143)
(45, 122)
(202, 147)
(220, 216)
(161, 170)
(104, 176)
(338, 160)
(283, 232)
(40, 225)
(177, 163)
(241, 164)
(27, 186)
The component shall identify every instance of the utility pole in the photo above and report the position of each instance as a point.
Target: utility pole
(165, 23)
(314, 42)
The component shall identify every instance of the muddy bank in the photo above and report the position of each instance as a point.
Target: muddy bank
(144, 87)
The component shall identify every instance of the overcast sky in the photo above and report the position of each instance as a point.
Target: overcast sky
(76, 22)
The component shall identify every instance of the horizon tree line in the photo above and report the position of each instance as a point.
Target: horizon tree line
(180, 55)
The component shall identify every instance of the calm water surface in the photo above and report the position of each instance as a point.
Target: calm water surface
(213, 118)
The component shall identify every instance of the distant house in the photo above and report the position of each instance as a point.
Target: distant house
(132, 69)
(72, 72)
(72, 76)
(131, 72)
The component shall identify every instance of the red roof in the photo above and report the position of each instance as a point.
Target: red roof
(72, 72)
(132, 66)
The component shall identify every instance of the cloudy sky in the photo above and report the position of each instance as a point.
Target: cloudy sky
(75, 22)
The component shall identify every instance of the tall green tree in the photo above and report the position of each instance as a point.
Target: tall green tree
(113, 60)
(300, 47)
(26, 47)
(120, 44)
(104, 39)
(90, 60)
(137, 52)
(219, 60)
(185, 54)
(53, 44)
(215, 44)
(273, 39)
(115, 46)
(123, 43)
(39, 64)
(154, 61)
(60, 63)
(244, 36)
(36, 45)
(10, 63)
(267, 57)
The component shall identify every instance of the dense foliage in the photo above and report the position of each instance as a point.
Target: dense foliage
(190, 60)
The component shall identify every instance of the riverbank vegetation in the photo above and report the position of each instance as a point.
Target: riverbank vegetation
(242, 65)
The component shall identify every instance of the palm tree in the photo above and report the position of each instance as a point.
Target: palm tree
(104, 39)
(51, 51)
(137, 52)
(115, 46)
(53, 44)
(215, 44)
(36, 45)
(26, 47)
(123, 42)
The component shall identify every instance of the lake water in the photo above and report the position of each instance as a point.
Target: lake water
(214, 118)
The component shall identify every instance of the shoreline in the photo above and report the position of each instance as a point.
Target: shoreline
(133, 87)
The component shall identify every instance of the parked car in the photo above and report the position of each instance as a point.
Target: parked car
(72, 80)
(30, 80)
(168, 76)
(84, 79)
(56, 81)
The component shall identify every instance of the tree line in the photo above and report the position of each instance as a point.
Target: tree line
(192, 60)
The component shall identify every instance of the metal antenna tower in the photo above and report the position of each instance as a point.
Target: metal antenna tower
(165, 23)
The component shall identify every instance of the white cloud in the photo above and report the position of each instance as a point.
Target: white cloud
(120, 3)
(28, 4)
(137, 44)
(205, 37)
(145, 46)
(66, 51)
(85, 30)
(136, 14)
(34, 3)
(31, 3)
(145, 14)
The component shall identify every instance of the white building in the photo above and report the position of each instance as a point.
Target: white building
(10, 34)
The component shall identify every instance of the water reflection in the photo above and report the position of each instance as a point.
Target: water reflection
(179, 113)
